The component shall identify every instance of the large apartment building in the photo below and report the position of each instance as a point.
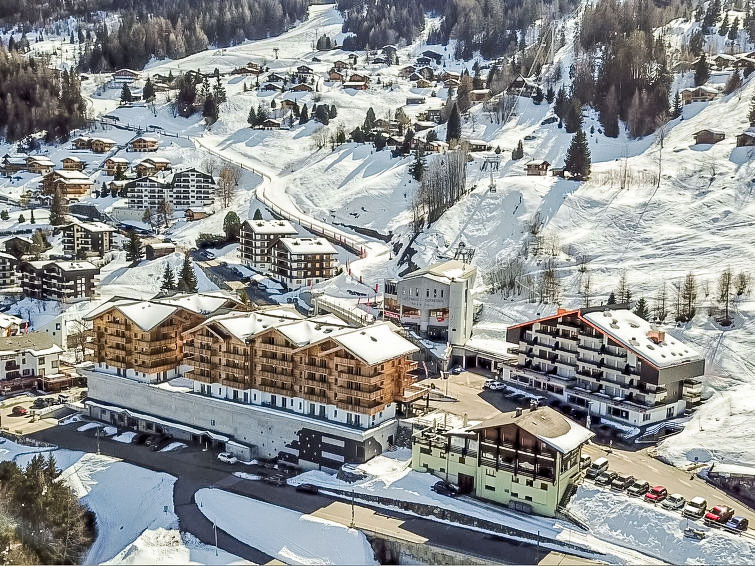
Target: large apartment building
(143, 340)
(269, 383)
(258, 239)
(8, 270)
(89, 238)
(28, 361)
(64, 281)
(611, 363)
(304, 261)
(435, 301)
(526, 459)
(183, 190)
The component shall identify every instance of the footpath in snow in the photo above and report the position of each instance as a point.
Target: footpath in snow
(289, 536)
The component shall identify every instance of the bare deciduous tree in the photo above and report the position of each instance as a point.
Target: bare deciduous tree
(228, 181)
(725, 288)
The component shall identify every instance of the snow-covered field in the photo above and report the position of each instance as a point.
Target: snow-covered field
(291, 537)
(136, 523)
(660, 533)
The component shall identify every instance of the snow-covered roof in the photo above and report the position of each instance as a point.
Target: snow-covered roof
(72, 176)
(162, 246)
(145, 138)
(202, 303)
(732, 469)
(103, 140)
(308, 246)
(117, 160)
(634, 333)
(35, 343)
(244, 325)
(271, 227)
(72, 158)
(7, 320)
(447, 270)
(707, 89)
(311, 330)
(92, 226)
(146, 314)
(41, 160)
(376, 343)
(711, 130)
(545, 424)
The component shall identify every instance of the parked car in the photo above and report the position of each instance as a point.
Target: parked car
(584, 461)
(737, 525)
(673, 502)
(638, 488)
(656, 494)
(277, 480)
(139, 438)
(155, 441)
(622, 482)
(719, 515)
(596, 468)
(308, 488)
(39, 403)
(456, 370)
(494, 385)
(227, 458)
(162, 443)
(446, 488)
(19, 411)
(695, 508)
(151, 439)
(606, 478)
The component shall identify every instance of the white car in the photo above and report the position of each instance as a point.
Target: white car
(494, 385)
(673, 501)
(227, 457)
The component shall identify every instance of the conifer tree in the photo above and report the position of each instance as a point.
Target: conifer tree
(257, 215)
(518, 152)
(304, 116)
(133, 247)
(611, 299)
(169, 279)
(126, 95)
(578, 157)
(702, 71)
(188, 280)
(676, 111)
(369, 120)
(641, 309)
(148, 92)
(453, 131)
(321, 114)
(58, 209)
(251, 119)
(417, 168)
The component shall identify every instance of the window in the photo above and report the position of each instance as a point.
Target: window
(544, 486)
(670, 412)
(40, 361)
(528, 498)
(515, 480)
(490, 487)
(212, 422)
(645, 416)
(529, 483)
(490, 472)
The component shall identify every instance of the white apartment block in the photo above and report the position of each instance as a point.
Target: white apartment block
(182, 190)
(258, 239)
(26, 358)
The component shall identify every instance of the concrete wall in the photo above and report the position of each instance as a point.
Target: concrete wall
(271, 431)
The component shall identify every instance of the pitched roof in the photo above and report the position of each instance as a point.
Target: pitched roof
(38, 343)
(545, 424)
(448, 270)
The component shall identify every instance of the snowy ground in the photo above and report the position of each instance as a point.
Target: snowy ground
(136, 523)
(289, 536)
(660, 533)
(391, 476)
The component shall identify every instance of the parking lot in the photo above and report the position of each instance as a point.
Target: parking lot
(34, 419)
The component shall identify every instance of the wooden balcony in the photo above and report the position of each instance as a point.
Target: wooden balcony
(274, 362)
(366, 395)
(273, 347)
(276, 377)
(354, 378)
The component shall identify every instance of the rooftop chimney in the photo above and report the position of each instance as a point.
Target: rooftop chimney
(518, 411)
(657, 336)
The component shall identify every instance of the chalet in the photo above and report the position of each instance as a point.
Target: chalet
(17, 246)
(380, 60)
(341, 65)
(416, 77)
(522, 86)
(143, 143)
(248, 69)
(193, 214)
(13, 163)
(304, 73)
(69, 183)
(335, 75)
(269, 124)
(118, 186)
(421, 125)
(383, 125)
(436, 146)
(746, 138)
(158, 249)
(538, 168)
(73, 163)
(302, 87)
(406, 72)
(698, 94)
(357, 78)
(745, 61)
(479, 95)
(115, 165)
(276, 78)
(411, 100)
(354, 85)
(151, 165)
(124, 76)
(102, 145)
(558, 172)
(478, 145)
(433, 115)
(434, 55)
(389, 50)
(426, 73)
(288, 104)
(451, 83)
(39, 165)
(708, 136)
(82, 142)
(723, 61)
(423, 83)
(450, 75)
(272, 87)
(421, 61)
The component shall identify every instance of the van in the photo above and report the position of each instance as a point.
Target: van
(596, 468)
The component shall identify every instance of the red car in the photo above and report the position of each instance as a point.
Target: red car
(19, 411)
(719, 515)
(656, 494)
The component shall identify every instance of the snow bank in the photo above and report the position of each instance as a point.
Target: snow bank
(161, 546)
(125, 437)
(289, 536)
(88, 426)
(618, 517)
